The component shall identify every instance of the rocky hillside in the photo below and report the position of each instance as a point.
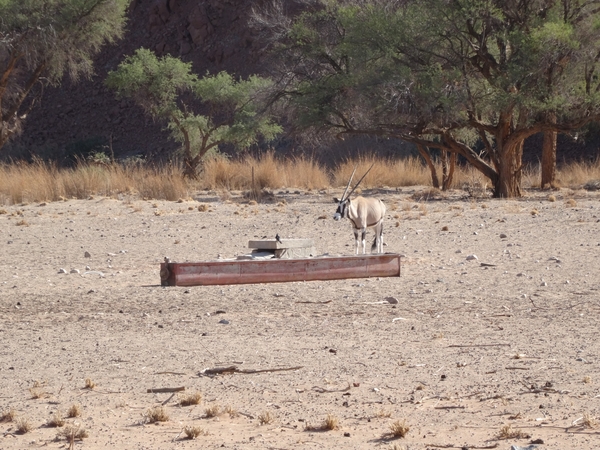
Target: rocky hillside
(212, 34)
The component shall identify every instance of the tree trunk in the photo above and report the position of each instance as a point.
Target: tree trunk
(549, 156)
(448, 169)
(508, 183)
(424, 152)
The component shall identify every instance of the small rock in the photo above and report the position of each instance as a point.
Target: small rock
(391, 300)
(529, 447)
(62, 271)
(544, 283)
(472, 257)
(88, 268)
(224, 322)
(346, 434)
(503, 236)
(74, 270)
(87, 255)
(333, 350)
(458, 251)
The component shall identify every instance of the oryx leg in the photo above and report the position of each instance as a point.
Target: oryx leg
(378, 241)
(363, 236)
(356, 241)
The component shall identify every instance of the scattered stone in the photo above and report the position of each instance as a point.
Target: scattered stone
(472, 257)
(224, 322)
(333, 350)
(503, 236)
(458, 251)
(529, 447)
(88, 268)
(220, 311)
(74, 270)
(62, 271)
(544, 283)
(391, 300)
(87, 255)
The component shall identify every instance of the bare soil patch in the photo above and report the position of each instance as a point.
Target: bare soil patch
(481, 352)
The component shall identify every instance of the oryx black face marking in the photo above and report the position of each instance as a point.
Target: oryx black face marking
(363, 212)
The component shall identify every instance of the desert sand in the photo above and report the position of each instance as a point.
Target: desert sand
(493, 341)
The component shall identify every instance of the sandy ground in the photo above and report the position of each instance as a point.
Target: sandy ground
(473, 355)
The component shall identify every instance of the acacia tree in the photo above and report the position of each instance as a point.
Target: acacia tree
(472, 77)
(40, 40)
(161, 86)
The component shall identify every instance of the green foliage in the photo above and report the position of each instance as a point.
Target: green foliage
(443, 73)
(41, 40)
(160, 86)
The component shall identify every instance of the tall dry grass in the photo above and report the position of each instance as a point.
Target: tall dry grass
(39, 181)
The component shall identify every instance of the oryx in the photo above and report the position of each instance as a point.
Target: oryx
(363, 212)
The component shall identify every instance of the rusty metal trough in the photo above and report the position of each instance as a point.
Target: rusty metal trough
(279, 270)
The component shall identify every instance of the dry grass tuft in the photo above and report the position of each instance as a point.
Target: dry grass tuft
(552, 198)
(571, 203)
(57, 420)
(193, 432)
(212, 411)
(8, 415)
(587, 379)
(265, 418)
(71, 433)
(203, 207)
(231, 411)
(507, 432)
(89, 383)
(331, 422)
(74, 411)
(383, 414)
(38, 392)
(588, 421)
(23, 425)
(157, 414)
(399, 428)
(22, 223)
(190, 399)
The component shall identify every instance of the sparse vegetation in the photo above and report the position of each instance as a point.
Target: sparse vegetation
(72, 433)
(190, 399)
(89, 383)
(212, 411)
(265, 418)
(57, 420)
(157, 414)
(508, 432)
(74, 411)
(399, 428)
(23, 425)
(192, 432)
(8, 415)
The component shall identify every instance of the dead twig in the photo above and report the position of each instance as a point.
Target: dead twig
(163, 390)
(478, 345)
(234, 369)
(478, 447)
(318, 303)
(321, 390)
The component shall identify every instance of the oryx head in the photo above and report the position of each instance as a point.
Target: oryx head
(345, 200)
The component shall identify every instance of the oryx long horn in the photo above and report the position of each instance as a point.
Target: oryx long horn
(348, 185)
(362, 178)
